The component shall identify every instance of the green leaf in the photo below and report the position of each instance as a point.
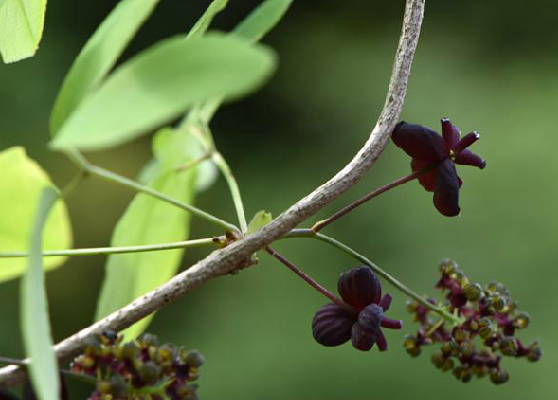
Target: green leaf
(262, 19)
(162, 83)
(20, 187)
(148, 221)
(260, 219)
(98, 56)
(21, 28)
(37, 337)
(255, 26)
(203, 23)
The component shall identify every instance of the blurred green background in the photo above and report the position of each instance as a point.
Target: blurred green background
(489, 66)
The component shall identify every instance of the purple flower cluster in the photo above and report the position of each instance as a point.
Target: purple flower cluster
(360, 318)
(437, 156)
(489, 317)
(139, 370)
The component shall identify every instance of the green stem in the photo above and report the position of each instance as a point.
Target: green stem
(76, 180)
(206, 138)
(110, 176)
(221, 163)
(309, 233)
(117, 250)
(193, 163)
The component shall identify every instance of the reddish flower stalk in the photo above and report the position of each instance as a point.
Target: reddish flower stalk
(376, 192)
(305, 277)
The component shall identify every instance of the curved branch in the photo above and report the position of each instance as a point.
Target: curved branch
(225, 260)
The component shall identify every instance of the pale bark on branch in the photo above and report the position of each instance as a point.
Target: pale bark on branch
(225, 260)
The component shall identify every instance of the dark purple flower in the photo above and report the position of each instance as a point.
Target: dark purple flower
(361, 318)
(430, 150)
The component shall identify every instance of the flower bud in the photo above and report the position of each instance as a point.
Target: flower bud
(486, 328)
(534, 354)
(149, 373)
(148, 340)
(499, 376)
(448, 365)
(463, 374)
(411, 346)
(447, 266)
(473, 291)
(438, 360)
(480, 371)
(109, 337)
(195, 359)
(521, 320)
(508, 346)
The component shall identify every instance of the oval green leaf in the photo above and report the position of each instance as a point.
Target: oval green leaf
(37, 336)
(162, 83)
(149, 221)
(20, 187)
(21, 28)
(98, 56)
(255, 26)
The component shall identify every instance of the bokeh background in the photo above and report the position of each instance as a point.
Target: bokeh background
(489, 66)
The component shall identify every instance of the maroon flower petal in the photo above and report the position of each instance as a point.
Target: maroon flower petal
(359, 287)
(467, 157)
(466, 141)
(370, 318)
(391, 323)
(446, 192)
(381, 341)
(361, 338)
(450, 133)
(332, 325)
(427, 180)
(385, 302)
(420, 142)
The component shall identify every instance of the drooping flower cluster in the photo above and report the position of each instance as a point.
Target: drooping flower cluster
(486, 334)
(437, 156)
(140, 369)
(360, 318)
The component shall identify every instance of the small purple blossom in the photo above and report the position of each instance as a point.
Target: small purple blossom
(482, 337)
(361, 318)
(439, 154)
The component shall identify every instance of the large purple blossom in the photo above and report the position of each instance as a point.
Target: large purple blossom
(361, 318)
(439, 155)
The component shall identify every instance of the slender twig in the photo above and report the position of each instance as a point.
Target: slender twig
(309, 233)
(68, 373)
(95, 251)
(222, 261)
(308, 279)
(110, 176)
(376, 192)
